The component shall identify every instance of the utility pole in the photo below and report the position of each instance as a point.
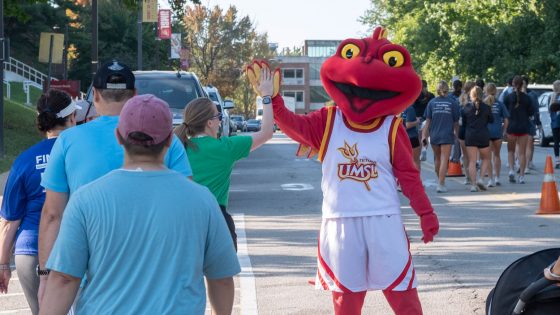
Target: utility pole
(94, 38)
(51, 42)
(139, 40)
(2, 56)
(65, 54)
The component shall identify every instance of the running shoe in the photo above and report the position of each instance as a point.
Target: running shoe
(521, 180)
(497, 181)
(491, 183)
(557, 163)
(511, 177)
(531, 166)
(481, 185)
(441, 189)
(467, 181)
(474, 188)
(423, 154)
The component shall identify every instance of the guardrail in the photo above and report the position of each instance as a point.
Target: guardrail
(26, 71)
(8, 89)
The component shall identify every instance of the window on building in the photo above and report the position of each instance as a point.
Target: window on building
(318, 94)
(292, 73)
(298, 95)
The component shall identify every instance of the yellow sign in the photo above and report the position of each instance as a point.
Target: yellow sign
(149, 11)
(58, 47)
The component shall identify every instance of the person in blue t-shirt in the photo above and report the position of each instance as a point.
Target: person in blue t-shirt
(553, 109)
(24, 196)
(497, 131)
(442, 116)
(411, 123)
(145, 235)
(86, 152)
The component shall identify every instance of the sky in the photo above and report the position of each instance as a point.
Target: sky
(290, 22)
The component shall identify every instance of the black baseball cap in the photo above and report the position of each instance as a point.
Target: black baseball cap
(114, 75)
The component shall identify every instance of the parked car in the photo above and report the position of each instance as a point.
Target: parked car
(545, 136)
(240, 122)
(176, 88)
(253, 125)
(228, 127)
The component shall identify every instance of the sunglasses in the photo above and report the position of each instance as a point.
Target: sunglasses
(218, 116)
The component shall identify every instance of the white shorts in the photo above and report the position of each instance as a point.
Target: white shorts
(364, 253)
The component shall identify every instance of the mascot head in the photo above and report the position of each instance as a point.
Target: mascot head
(370, 77)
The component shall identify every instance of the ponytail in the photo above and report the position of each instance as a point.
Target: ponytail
(517, 85)
(182, 132)
(195, 117)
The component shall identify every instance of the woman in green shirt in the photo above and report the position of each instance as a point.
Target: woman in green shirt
(212, 158)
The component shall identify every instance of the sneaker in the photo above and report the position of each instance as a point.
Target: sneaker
(441, 189)
(491, 183)
(423, 154)
(511, 177)
(474, 188)
(557, 162)
(467, 181)
(497, 181)
(480, 185)
(521, 180)
(531, 166)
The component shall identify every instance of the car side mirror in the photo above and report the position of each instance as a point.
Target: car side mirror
(228, 104)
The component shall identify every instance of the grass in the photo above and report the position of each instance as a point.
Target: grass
(18, 96)
(19, 131)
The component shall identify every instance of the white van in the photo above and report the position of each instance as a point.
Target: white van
(223, 106)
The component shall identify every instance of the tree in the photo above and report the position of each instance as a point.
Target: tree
(220, 44)
(475, 38)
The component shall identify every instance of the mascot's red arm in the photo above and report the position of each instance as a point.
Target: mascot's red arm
(305, 129)
(411, 184)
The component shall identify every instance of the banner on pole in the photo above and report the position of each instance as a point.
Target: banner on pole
(44, 46)
(184, 59)
(175, 46)
(149, 11)
(164, 24)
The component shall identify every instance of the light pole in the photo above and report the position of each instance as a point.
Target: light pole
(139, 40)
(2, 46)
(94, 38)
(65, 53)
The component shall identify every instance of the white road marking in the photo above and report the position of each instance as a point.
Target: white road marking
(297, 186)
(248, 294)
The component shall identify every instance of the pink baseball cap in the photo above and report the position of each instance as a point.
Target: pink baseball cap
(148, 114)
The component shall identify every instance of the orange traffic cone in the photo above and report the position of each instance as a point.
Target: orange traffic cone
(549, 196)
(454, 169)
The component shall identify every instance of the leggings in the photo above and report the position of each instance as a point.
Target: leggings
(231, 226)
(25, 266)
(556, 137)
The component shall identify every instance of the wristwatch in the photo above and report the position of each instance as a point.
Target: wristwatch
(551, 275)
(42, 272)
(267, 100)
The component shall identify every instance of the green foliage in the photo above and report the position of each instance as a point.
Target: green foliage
(220, 44)
(490, 39)
(19, 132)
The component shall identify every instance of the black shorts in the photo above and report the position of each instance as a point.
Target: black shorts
(414, 142)
(494, 139)
(230, 225)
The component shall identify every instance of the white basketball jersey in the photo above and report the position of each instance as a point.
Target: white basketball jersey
(358, 177)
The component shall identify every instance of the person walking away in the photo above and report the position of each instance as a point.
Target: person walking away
(411, 123)
(506, 91)
(145, 236)
(442, 116)
(535, 123)
(85, 113)
(420, 106)
(520, 110)
(553, 109)
(84, 153)
(212, 158)
(476, 115)
(497, 130)
(464, 99)
(456, 94)
(24, 196)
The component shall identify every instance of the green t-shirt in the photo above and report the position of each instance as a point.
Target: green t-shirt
(213, 162)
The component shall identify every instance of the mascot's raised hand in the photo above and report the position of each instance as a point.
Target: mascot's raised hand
(254, 70)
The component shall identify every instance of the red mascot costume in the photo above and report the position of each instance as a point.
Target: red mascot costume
(364, 150)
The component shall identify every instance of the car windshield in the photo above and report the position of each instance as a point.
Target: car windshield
(176, 92)
(213, 96)
(253, 121)
(236, 118)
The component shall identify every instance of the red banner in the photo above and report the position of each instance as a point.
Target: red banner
(164, 24)
(71, 87)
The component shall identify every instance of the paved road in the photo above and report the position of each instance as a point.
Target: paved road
(276, 200)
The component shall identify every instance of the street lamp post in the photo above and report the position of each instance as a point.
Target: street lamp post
(94, 53)
(139, 40)
(2, 56)
(65, 54)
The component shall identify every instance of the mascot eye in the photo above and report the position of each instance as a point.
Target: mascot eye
(393, 58)
(350, 51)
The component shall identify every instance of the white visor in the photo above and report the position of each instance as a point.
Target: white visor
(72, 107)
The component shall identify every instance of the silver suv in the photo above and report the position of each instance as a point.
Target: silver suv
(228, 126)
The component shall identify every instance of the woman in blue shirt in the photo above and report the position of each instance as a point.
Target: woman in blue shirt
(497, 131)
(555, 120)
(411, 122)
(24, 197)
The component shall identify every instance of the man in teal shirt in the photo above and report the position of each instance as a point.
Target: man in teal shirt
(144, 235)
